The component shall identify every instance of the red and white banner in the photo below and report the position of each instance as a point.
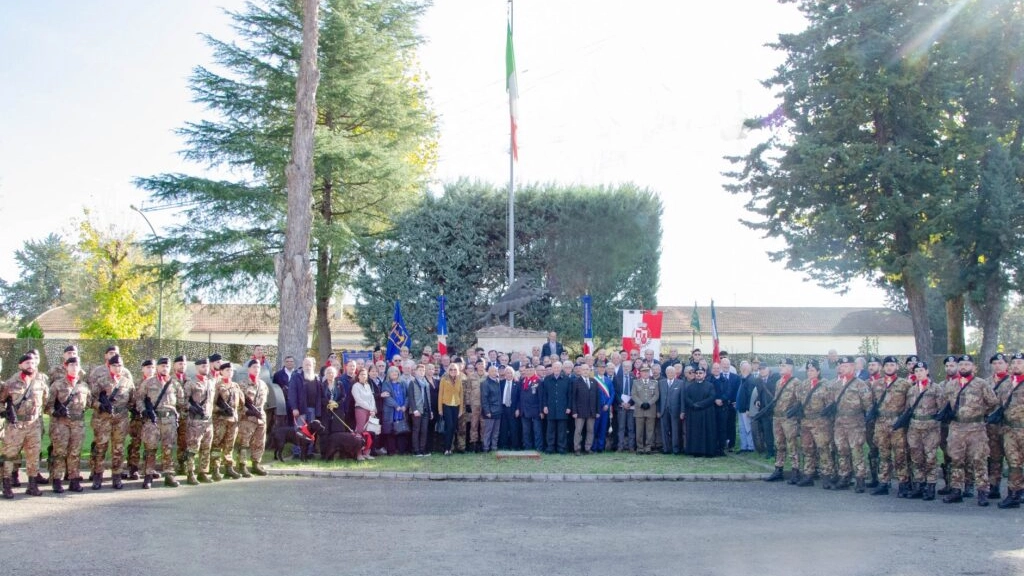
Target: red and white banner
(641, 329)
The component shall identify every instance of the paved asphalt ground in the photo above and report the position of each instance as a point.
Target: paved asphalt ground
(296, 526)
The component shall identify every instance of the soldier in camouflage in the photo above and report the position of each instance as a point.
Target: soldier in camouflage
(853, 400)
(971, 399)
(925, 398)
(135, 426)
(952, 370)
(1000, 378)
(786, 430)
(113, 395)
(23, 397)
(890, 393)
(1011, 398)
(198, 407)
(815, 429)
(180, 379)
(471, 413)
(252, 430)
(69, 398)
(157, 401)
(227, 402)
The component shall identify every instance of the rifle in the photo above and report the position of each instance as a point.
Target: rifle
(9, 413)
(768, 408)
(195, 409)
(224, 408)
(60, 410)
(874, 412)
(832, 409)
(250, 408)
(996, 417)
(106, 405)
(904, 420)
(150, 411)
(948, 412)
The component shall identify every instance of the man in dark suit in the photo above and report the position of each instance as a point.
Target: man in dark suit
(510, 437)
(764, 435)
(585, 405)
(555, 407)
(281, 378)
(552, 347)
(626, 425)
(671, 400)
(732, 389)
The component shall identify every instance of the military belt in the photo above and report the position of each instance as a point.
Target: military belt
(164, 414)
(923, 417)
(73, 417)
(814, 417)
(888, 414)
(1015, 425)
(972, 420)
(850, 413)
(195, 418)
(23, 424)
(118, 410)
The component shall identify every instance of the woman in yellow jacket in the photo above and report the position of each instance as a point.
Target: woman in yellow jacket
(450, 400)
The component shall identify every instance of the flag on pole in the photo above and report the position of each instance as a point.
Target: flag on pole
(588, 325)
(512, 87)
(398, 336)
(695, 318)
(714, 333)
(641, 330)
(442, 326)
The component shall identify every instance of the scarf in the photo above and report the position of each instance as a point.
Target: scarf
(398, 394)
(529, 380)
(252, 378)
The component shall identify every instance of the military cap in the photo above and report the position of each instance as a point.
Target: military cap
(949, 359)
(25, 358)
(997, 356)
(645, 368)
(113, 349)
(115, 359)
(71, 360)
(965, 358)
(202, 361)
(253, 362)
(891, 359)
(163, 361)
(180, 358)
(71, 348)
(224, 366)
(912, 358)
(921, 365)
(874, 360)
(787, 362)
(846, 359)
(147, 362)
(1017, 356)
(812, 364)
(215, 358)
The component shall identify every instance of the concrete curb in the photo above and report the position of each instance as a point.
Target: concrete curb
(493, 477)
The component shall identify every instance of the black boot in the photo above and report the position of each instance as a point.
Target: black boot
(968, 491)
(842, 483)
(794, 477)
(97, 481)
(1012, 500)
(917, 490)
(954, 496)
(859, 487)
(982, 497)
(993, 492)
(8, 493)
(881, 490)
(76, 485)
(873, 483)
(33, 487)
(15, 481)
(903, 490)
(58, 487)
(40, 479)
(829, 483)
(775, 476)
(805, 481)
(133, 472)
(169, 481)
(147, 482)
(117, 482)
(929, 492)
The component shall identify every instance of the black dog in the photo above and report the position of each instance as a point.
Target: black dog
(343, 444)
(289, 435)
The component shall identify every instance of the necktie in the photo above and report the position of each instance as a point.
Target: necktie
(627, 388)
(506, 397)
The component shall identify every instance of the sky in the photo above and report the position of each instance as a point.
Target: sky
(653, 94)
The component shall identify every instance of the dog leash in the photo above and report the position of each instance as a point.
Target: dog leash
(345, 424)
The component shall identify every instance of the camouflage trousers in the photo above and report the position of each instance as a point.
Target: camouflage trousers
(474, 428)
(891, 446)
(66, 436)
(252, 439)
(22, 437)
(816, 443)
(787, 438)
(223, 445)
(160, 434)
(1013, 447)
(923, 440)
(849, 439)
(198, 439)
(182, 441)
(109, 430)
(968, 447)
(995, 453)
(135, 444)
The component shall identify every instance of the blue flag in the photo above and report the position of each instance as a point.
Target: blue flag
(588, 325)
(398, 336)
(442, 326)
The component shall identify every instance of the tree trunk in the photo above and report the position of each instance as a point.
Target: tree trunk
(914, 288)
(322, 336)
(955, 325)
(989, 313)
(292, 268)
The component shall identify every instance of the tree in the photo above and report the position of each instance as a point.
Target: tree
(33, 331)
(570, 241)
(45, 268)
(374, 147)
(855, 181)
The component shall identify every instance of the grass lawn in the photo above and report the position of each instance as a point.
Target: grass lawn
(553, 464)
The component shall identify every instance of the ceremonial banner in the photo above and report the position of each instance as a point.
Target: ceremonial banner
(641, 329)
(588, 325)
(442, 326)
(398, 336)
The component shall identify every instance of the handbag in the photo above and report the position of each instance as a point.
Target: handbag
(439, 425)
(373, 425)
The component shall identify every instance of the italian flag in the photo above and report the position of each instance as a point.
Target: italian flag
(512, 87)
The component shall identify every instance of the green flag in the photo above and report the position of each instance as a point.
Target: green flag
(695, 319)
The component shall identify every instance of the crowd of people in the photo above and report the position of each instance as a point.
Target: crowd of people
(843, 422)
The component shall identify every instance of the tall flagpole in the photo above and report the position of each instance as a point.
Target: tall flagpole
(511, 200)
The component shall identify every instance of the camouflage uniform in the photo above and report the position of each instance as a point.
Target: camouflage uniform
(471, 415)
(182, 439)
(162, 433)
(891, 445)
(252, 429)
(199, 436)
(816, 432)
(924, 433)
(1013, 440)
(968, 441)
(225, 428)
(995, 442)
(28, 396)
(110, 428)
(849, 429)
(67, 432)
(786, 430)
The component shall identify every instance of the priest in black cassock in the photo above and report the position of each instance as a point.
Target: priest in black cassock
(701, 422)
